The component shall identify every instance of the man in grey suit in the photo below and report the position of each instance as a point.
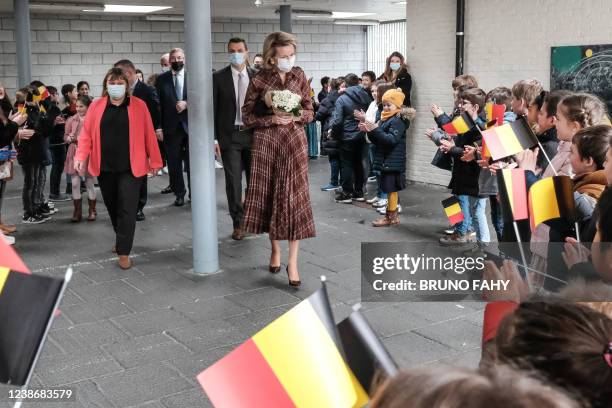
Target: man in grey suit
(231, 138)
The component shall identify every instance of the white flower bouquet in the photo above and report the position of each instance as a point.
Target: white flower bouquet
(285, 102)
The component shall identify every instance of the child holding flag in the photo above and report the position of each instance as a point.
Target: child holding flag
(574, 113)
(465, 173)
(546, 125)
(74, 125)
(389, 137)
(498, 99)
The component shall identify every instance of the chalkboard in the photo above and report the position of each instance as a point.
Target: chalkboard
(583, 68)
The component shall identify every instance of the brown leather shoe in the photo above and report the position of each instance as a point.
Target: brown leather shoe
(237, 235)
(391, 218)
(77, 215)
(7, 229)
(125, 262)
(92, 210)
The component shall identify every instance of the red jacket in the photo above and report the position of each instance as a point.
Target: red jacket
(144, 151)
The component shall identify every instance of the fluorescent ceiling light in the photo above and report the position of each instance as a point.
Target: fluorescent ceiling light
(66, 6)
(157, 17)
(120, 8)
(342, 14)
(357, 22)
(308, 13)
(398, 3)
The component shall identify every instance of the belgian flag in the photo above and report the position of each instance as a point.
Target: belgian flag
(551, 198)
(510, 138)
(513, 194)
(365, 354)
(495, 113)
(27, 303)
(459, 125)
(43, 94)
(452, 209)
(295, 361)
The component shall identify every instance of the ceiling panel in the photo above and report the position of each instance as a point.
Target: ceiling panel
(383, 9)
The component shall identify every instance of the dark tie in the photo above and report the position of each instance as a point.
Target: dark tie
(178, 87)
(239, 98)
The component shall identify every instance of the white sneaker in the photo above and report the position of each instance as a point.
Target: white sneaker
(165, 170)
(383, 210)
(372, 200)
(218, 165)
(160, 173)
(380, 203)
(8, 239)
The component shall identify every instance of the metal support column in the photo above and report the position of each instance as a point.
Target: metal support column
(22, 38)
(460, 37)
(198, 44)
(285, 18)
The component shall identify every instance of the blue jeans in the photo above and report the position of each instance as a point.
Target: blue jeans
(479, 219)
(380, 194)
(473, 209)
(465, 225)
(334, 163)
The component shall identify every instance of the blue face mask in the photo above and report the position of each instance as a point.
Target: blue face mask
(236, 58)
(116, 91)
(395, 66)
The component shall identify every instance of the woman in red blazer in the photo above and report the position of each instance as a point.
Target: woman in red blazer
(119, 140)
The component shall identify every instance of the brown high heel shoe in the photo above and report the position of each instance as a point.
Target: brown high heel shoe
(294, 283)
(274, 269)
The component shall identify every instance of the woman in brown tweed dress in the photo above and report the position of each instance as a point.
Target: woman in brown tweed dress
(277, 199)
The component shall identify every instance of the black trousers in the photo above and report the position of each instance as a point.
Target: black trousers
(142, 196)
(177, 153)
(28, 193)
(236, 160)
(120, 194)
(352, 169)
(58, 157)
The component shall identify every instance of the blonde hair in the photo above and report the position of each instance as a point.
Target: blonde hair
(277, 39)
(527, 90)
(464, 80)
(584, 108)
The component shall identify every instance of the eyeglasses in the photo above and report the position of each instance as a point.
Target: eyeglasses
(464, 103)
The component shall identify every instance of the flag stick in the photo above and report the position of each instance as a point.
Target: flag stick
(577, 232)
(547, 158)
(67, 278)
(520, 243)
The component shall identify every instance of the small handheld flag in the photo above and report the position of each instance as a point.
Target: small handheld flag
(27, 303)
(510, 138)
(551, 198)
(495, 112)
(452, 209)
(459, 125)
(295, 361)
(513, 194)
(21, 108)
(365, 354)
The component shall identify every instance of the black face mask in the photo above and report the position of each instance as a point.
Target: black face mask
(177, 66)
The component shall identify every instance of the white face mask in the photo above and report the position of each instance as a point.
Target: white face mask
(165, 69)
(116, 91)
(285, 64)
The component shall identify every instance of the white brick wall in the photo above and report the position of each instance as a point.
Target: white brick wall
(505, 42)
(66, 50)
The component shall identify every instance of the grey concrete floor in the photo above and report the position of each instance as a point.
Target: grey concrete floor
(138, 338)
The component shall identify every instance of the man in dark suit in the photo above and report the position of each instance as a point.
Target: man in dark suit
(149, 95)
(172, 90)
(231, 138)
